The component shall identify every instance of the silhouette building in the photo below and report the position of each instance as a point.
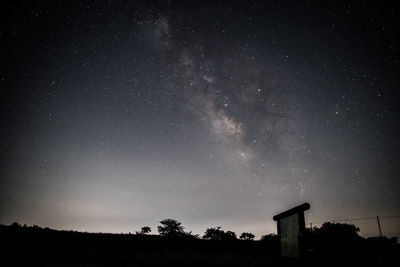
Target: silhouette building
(291, 226)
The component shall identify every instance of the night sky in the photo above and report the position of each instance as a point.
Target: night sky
(118, 114)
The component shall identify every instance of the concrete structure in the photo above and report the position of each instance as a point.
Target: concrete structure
(291, 226)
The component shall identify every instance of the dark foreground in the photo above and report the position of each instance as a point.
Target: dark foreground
(27, 246)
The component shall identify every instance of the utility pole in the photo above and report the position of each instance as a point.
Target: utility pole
(379, 225)
(311, 226)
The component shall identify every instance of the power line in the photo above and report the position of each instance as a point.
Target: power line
(377, 218)
(360, 219)
(388, 217)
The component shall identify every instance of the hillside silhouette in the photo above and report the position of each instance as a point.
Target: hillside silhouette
(333, 244)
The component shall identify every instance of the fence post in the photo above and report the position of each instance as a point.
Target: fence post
(379, 225)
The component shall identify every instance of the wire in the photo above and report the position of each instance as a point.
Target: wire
(388, 217)
(360, 219)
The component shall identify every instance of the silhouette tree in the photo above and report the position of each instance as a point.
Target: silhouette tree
(145, 230)
(337, 231)
(15, 225)
(171, 228)
(270, 238)
(218, 234)
(229, 235)
(247, 236)
(214, 233)
(339, 239)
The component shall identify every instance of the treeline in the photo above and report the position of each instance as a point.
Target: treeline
(335, 243)
(173, 246)
(171, 228)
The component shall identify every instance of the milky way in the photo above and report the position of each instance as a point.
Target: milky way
(119, 115)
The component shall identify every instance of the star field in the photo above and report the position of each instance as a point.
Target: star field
(120, 114)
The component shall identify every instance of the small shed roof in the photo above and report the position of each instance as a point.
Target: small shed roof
(297, 209)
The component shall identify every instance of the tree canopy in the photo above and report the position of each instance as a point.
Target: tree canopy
(337, 230)
(171, 228)
(247, 236)
(217, 233)
(145, 230)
